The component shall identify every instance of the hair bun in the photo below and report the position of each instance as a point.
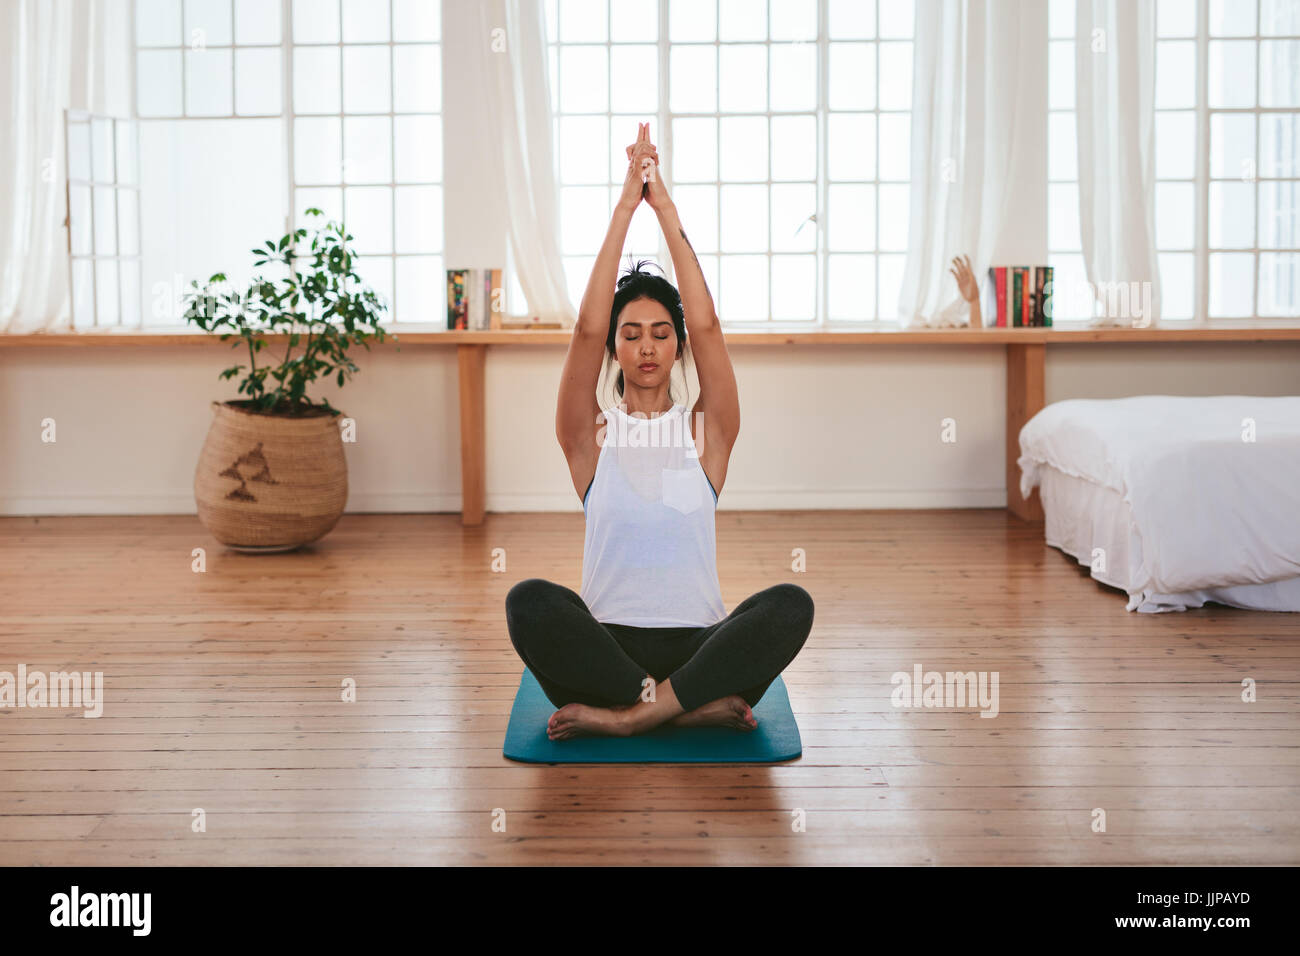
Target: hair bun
(636, 271)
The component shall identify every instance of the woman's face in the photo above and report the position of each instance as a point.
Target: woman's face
(645, 343)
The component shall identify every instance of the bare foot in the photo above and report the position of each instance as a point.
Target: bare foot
(731, 712)
(581, 720)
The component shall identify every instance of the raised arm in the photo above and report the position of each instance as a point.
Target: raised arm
(718, 393)
(577, 408)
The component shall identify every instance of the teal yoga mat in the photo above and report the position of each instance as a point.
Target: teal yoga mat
(776, 737)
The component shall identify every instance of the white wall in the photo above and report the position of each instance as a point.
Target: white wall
(823, 426)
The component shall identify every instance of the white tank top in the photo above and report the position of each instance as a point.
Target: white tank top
(649, 558)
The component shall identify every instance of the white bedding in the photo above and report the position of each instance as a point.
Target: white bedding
(1206, 510)
(1083, 518)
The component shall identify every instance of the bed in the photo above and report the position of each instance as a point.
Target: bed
(1176, 501)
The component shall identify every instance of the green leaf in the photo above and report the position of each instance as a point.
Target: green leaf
(321, 292)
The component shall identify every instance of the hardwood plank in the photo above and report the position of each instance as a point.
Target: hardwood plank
(701, 850)
(668, 824)
(648, 799)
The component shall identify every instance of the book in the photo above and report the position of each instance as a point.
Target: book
(1015, 303)
(475, 299)
(1023, 296)
(496, 298)
(496, 302)
(457, 301)
(1026, 297)
(1040, 276)
(1048, 289)
(1002, 296)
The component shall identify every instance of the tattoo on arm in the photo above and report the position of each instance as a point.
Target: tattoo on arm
(696, 258)
(688, 245)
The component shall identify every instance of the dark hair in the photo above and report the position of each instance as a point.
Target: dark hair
(636, 283)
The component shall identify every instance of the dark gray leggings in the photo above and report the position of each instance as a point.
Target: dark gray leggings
(576, 658)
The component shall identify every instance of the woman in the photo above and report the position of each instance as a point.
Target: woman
(648, 641)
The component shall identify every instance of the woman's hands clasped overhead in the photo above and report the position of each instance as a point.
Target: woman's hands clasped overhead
(643, 180)
(641, 157)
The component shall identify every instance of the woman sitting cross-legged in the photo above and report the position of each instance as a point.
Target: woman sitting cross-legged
(648, 641)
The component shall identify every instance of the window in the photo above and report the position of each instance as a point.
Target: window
(1228, 82)
(328, 103)
(1177, 175)
(1251, 99)
(765, 112)
(1070, 300)
(1227, 127)
(103, 219)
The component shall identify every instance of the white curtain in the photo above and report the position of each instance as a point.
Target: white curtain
(54, 55)
(967, 103)
(1115, 89)
(34, 84)
(513, 55)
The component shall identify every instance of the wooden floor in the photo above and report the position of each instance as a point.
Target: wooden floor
(223, 693)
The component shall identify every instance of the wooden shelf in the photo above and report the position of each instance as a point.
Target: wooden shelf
(427, 335)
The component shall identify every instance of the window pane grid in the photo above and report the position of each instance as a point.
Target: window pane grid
(1064, 242)
(745, 130)
(1227, 230)
(198, 71)
(104, 263)
(381, 169)
(1177, 181)
(587, 96)
(1252, 245)
(393, 213)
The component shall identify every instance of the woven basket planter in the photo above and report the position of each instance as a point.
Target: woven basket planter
(270, 482)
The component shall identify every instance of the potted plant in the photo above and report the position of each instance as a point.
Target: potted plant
(272, 475)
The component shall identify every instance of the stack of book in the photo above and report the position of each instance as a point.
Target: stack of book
(476, 300)
(1020, 296)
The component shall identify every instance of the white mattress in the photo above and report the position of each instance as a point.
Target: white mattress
(1191, 499)
(1081, 516)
